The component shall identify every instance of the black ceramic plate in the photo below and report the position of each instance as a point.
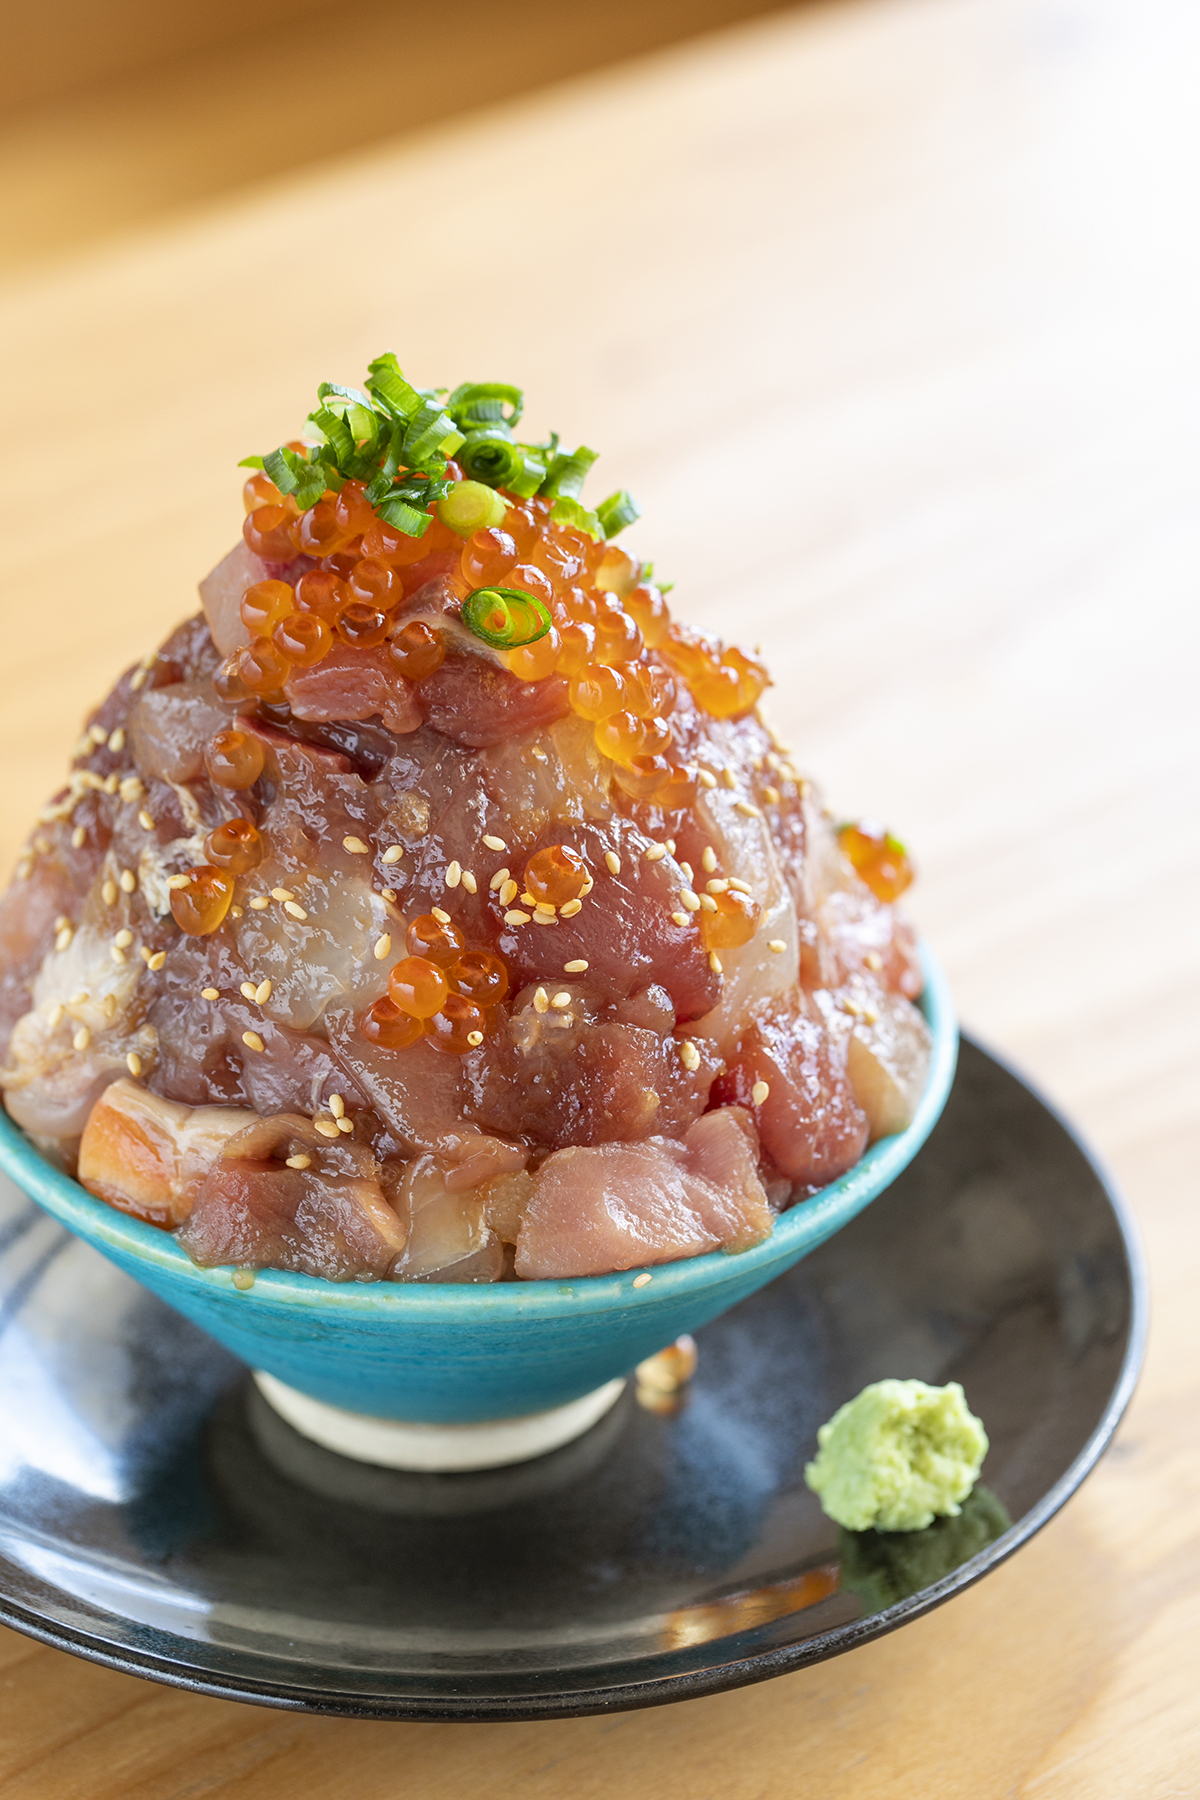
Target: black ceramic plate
(157, 1517)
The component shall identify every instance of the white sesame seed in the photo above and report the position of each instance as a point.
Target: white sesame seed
(283, 894)
(709, 860)
(680, 918)
(108, 893)
(63, 940)
(387, 896)
(110, 1006)
(443, 918)
(80, 998)
(252, 1040)
(383, 946)
(642, 1280)
(299, 1161)
(759, 1092)
(587, 887)
(499, 878)
(728, 778)
(123, 938)
(262, 992)
(541, 918)
(78, 837)
(61, 920)
(513, 917)
(689, 1056)
(131, 790)
(116, 952)
(454, 875)
(259, 903)
(688, 873)
(870, 1016)
(578, 967)
(474, 1038)
(538, 754)
(541, 1001)
(392, 854)
(714, 962)
(612, 862)
(82, 1038)
(528, 900)
(708, 904)
(174, 882)
(294, 911)
(145, 820)
(719, 886)
(137, 679)
(469, 882)
(494, 843)
(337, 1106)
(111, 783)
(156, 961)
(747, 811)
(569, 908)
(326, 1127)
(235, 912)
(128, 883)
(133, 1063)
(508, 893)
(560, 1002)
(97, 734)
(740, 887)
(355, 846)
(346, 1125)
(210, 993)
(655, 853)
(671, 845)
(772, 796)
(689, 900)
(54, 1017)
(777, 945)
(545, 906)
(873, 960)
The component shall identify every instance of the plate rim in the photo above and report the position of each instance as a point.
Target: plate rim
(663, 1690)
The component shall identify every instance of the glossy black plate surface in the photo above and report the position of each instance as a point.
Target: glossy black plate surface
(156, 1516)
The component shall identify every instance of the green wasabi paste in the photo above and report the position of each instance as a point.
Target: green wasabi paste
(898, 1456)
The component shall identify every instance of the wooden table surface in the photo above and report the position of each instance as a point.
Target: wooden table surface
(889, 315)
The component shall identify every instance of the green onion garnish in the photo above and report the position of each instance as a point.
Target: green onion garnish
(471, 506)
(574, 513)
(618, 511)
(505, 618)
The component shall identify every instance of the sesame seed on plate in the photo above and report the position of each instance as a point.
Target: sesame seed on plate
(706, 780)
(578, 967)
(541, 1000)
(541, 918)
(719, 886)
(612, 862)
(494, 843)
(116, 952)
(355, 846)
(474, 1038)
(294, 911)
(728, 778)
(326, 1127)
(514, 917)
(262, 992)
(777, 945)
(282, 894)
(63, 940)
(383, 946)
(108, 893)
(690, 900)
(747, 811)
(443, 918)
(97, 734)
(247, 990)
(337, 1106)
(157, 960)
(544, 906)
(252, 1040)
(680, 918)
(709, 860)
(469, 881)
(392, 854)
(708, 904)
(643, 1280)
(688, 873)
(740, 887)
(499, 878)
(560, 1002)
(689, 1056)
(175, 882)
(260, 903)
(133, 1063)
(454, 874)
(655, 853)
(210, 993)
(508, 893)
(78, 837)
(299, 1161)
(569, 908)
(772, 796)
(759, 1092)
(873, 960)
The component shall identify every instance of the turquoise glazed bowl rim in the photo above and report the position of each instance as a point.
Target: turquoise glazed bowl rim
(803, 1227)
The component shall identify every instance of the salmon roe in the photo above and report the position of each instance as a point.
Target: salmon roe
(304, 638)
(201, 906)
(234, 759)
(322, 592)
(384, 1024)
(237, 845)
(318, 532)
(268, 533)
(879, 858)
(556, 875)
(362, 626)
(417, 986)
(480, 976)
(453, 1027)
(375, 583)
(487, 557)
(264, 604)
(417, 650)
(734, 923)
(437, 940)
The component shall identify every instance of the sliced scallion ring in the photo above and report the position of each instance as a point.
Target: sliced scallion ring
(505, 618)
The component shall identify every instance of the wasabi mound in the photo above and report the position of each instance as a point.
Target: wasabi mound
(898, 1456)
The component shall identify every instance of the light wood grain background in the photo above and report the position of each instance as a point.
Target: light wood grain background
(929, 268)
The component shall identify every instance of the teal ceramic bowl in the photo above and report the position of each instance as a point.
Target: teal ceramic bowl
(448, 1353)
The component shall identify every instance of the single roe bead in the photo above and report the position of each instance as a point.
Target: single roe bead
(386, 1025)
(617, 573)
(534, 662)
(528, 579)
(452, 1026)
(201, 906)
(375, 583)
(437, 940)
(322, 592)
(678, 790)
(556, 875)
(258, 491)
(879, 858)
(617, 636)
(647, 606)
(417, 986)
(268, 533)
(621, 736)
(304, 639)
(642, 776)
(237, 845)
(734, 923)
(234, 759)
(264, 604)
(362, 626)
(480, 976)
(577, 647)
(417, 650)
(352, 509)
(596, 692)
(263, 667)
(318, 532)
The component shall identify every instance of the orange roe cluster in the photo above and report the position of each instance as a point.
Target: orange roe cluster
(878, 857)
(440, 991)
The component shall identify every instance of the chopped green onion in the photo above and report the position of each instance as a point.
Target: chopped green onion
(483, 403)
(566, 511)
(390, 390)
(567, 473)
(618, 511)
(529, 478)
(431, 432)
(471, 506)
(251, 462)
(402, 516)
(489, 455)
(506, 618)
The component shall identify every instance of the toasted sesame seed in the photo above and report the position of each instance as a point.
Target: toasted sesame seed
(528, 900)
(513, 917)
(210, 993)
(260, 903)
(772, 796)
(175, 882)
(108, 893)
(133, 1063)
(612, 862)
(145, 820)
(128, 883)
(97, 734)
(714, 963)
(80, 998)
(82, 1038)
(443, 918)
(541, 1001)
(541, 918)
(728, 778)
(54, 1017)
(499, 878)
(578, 967)
(642, 1280)
(235, 912)
(326, 1127)
(78, 837)
(284, 894)
(747, 811)
(123, 938)
(569, 908)
(110, 1006)
(387, 896)
(689, 1056)
(777, 945)
(759, 1092)
(355, 846)
(494, 843)
(707, 903)
(709, 860)
(688, 873)
(116, 952)
(561, 1001)
(138, 679)
(337, 1106)
(474, 1038)
(392, 854)
(111, 783)
(469, 882)
(706, 779)
(545, 906)
(346, 1125)
(262, 992)
(587, 887)
(689, 900)
(873, 960)
(157, 960)
(145, 953)
(508, 893)
(680, 918)
(655, 853)
(252, 1040)
(383, 946)
(131, 790)
(740, 887)
(63, 940)
(299, 1161)
(294, 911)
(454, 875)
(870, 1016)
